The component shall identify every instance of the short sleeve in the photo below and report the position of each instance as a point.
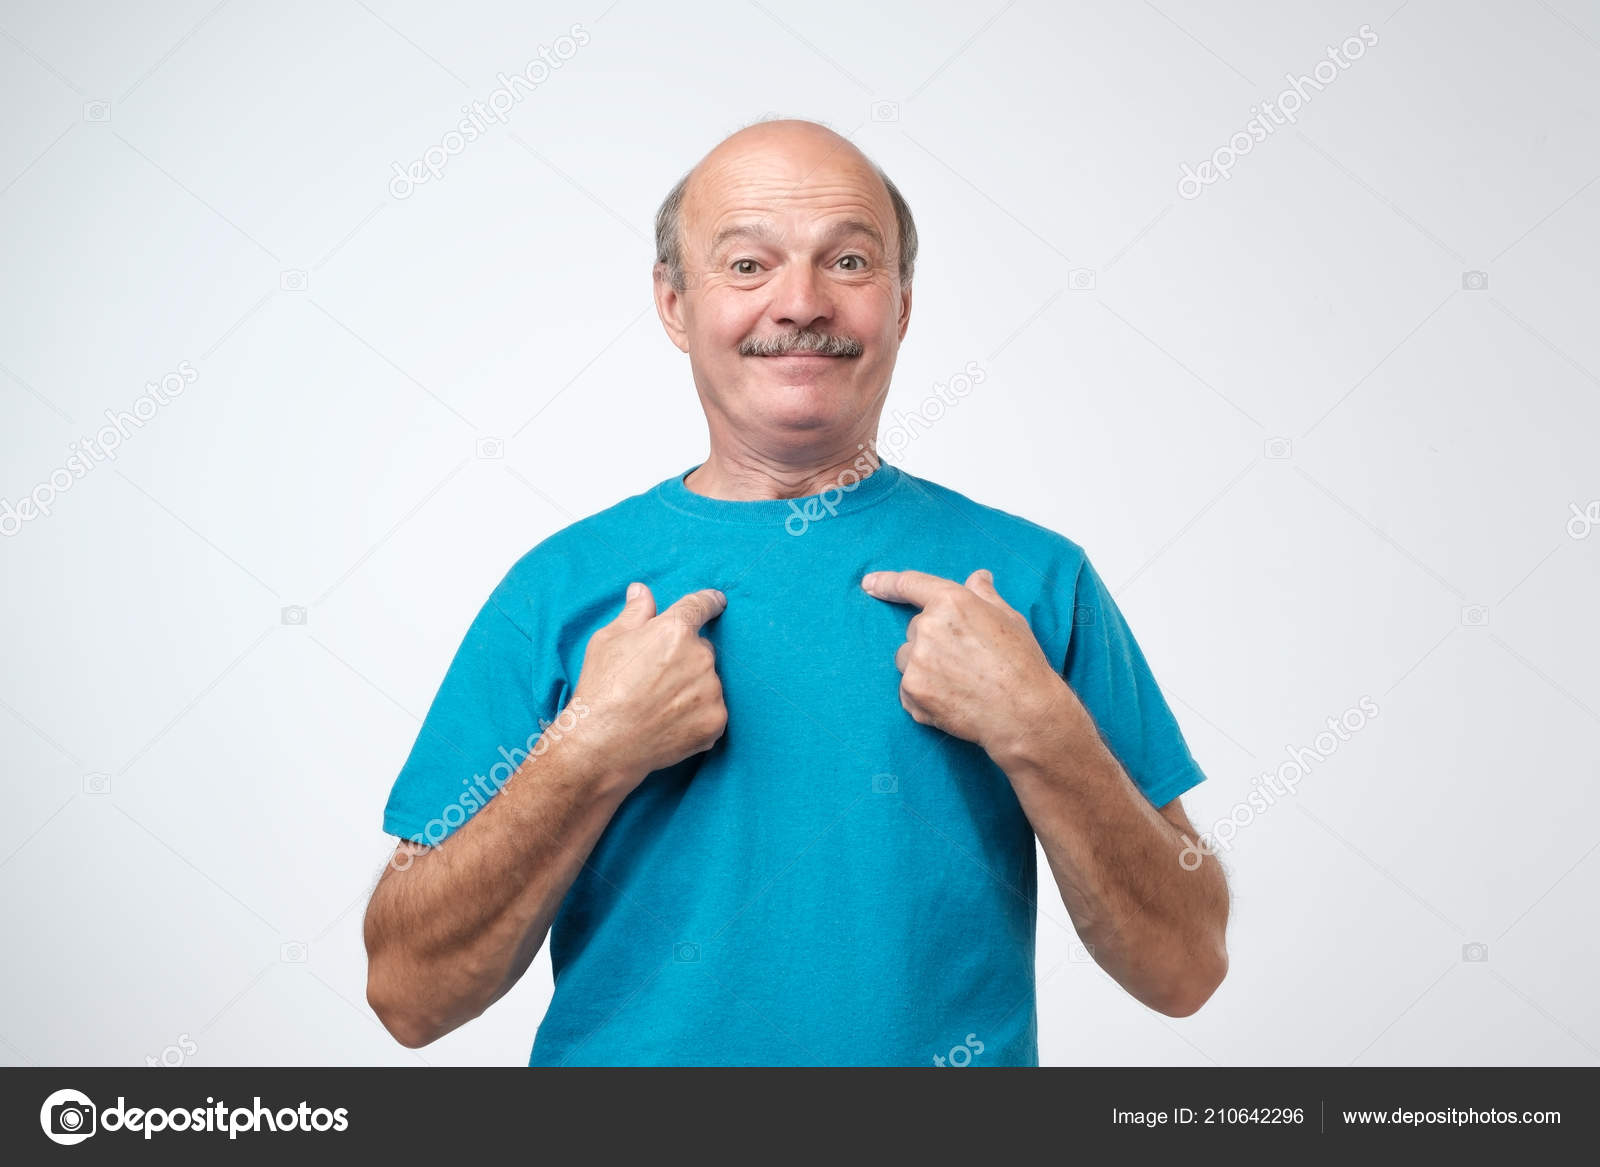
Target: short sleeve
(1107, 670)
(482, 723)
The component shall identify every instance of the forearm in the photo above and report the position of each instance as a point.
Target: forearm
(454, 930)
(1153, 925)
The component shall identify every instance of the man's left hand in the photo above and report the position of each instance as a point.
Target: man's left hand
(970, 664)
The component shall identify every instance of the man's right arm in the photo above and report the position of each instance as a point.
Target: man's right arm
(450, 929)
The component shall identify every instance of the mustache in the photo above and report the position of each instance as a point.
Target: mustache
(803, 341)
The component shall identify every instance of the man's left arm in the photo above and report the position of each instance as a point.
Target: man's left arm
(972, 667)
(1156, 925)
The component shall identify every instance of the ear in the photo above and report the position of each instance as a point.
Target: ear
(671, 308)
(905, 309)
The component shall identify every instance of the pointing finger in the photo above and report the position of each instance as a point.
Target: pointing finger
(906, 587)
(696, 608)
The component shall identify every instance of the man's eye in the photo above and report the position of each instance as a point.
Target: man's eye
(741, 270)
(861, 262)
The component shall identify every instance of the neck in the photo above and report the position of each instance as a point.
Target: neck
(747, 477)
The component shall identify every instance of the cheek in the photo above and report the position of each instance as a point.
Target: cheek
(877, 315)
(722, 321)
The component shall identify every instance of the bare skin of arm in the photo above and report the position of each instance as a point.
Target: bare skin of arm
(450, 929)
(970, 666)
(1153, 924)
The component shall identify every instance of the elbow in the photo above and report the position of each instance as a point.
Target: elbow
(395, 1013)
(1194, 986)
(404, 1026)
(413, 1038)
(394, 1007)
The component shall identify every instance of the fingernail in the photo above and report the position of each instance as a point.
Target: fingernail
(633, 591)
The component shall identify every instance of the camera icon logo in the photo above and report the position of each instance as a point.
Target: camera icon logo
(97, 111)
(293, 280)
(886, 111)
(1278, 449)
(292, 952)
(1475, 281)
(686, 953)
(885, 784)
(97, 783)
(1475, 616)
(1081, 279)
(490, 448)
(1475, 952)
(68, 1117)
(1082, 615)
(294, 614)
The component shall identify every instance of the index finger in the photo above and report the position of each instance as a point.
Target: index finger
(696, 608)
(907, 587)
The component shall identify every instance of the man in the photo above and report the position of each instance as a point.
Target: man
(780, 809)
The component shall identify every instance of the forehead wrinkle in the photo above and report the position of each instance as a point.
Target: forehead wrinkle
(764, 186)
(762, 229)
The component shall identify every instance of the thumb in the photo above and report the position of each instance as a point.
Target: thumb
(982, 582)
(640, 607)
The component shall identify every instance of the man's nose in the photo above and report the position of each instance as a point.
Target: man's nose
(800, 296)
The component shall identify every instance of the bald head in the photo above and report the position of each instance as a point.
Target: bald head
(791, 153)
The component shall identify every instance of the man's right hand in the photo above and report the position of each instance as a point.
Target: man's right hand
(650, 684)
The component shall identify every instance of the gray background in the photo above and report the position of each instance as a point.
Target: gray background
(1310, 460)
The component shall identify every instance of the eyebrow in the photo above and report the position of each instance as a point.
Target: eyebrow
(760, 230)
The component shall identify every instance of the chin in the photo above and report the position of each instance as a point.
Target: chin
(797, 398)
(800, 421)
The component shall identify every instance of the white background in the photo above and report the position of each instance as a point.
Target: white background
(164, 164)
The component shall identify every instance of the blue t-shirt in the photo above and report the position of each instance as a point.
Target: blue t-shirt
(832, 883)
